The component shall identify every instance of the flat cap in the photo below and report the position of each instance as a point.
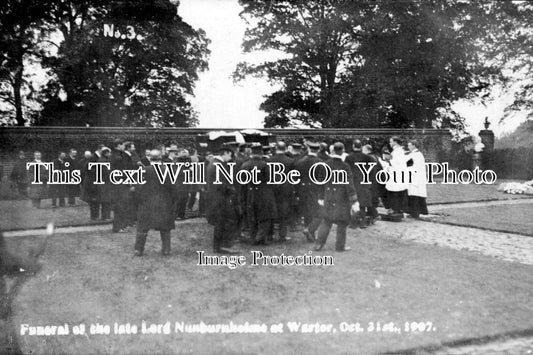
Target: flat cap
(257, 148)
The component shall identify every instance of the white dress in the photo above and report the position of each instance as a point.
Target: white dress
(418, 185)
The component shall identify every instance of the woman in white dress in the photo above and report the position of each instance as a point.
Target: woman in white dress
(417, 188)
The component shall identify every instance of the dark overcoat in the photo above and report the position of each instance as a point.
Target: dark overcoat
(89, 191)
(156, 202)
(106, 191)
(222, 198)
(260, 202)
(338, 198)
(307, 191)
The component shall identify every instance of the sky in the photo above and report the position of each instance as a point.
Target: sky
(221, 103)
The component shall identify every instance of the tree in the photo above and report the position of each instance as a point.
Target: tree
(316, 36)
(105, 80)
(20, 31)
(368, 64)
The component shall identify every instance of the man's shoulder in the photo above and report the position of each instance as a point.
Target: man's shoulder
(337, 163)
(307, 159)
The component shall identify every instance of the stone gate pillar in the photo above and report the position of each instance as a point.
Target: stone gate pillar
(487, 138)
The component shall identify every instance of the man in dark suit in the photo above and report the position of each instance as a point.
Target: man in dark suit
(145, 161)
(242, 156)
(37, 192)
(364, 191)
(105, 191)
(260, 203)
(283, 192)
(307, 192)
(295, 151)
(337, 200)
(120, 191)
(222, 210)
(156, 207)
(18, 175)
(72, 163)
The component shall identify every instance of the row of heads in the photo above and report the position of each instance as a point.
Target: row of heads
(336, 148)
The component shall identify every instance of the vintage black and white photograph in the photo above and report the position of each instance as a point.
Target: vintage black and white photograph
(266, 177)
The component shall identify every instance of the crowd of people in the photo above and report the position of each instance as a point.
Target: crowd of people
(239, 212)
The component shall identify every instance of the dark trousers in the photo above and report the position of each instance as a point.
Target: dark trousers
(96, 207)
(313, 225)
(224, 233)
(181, 204)
(61, 201)
(120, 215)
(140, 240)
(371, 211)
(132, 204)
(22, 189)
(417, 206)
(398, 201)
(283, 207)
(260, 231)
(324, 229)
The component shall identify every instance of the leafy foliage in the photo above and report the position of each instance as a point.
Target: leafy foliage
(21, 28)
(111, 81)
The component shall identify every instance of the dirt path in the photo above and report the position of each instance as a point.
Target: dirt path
(447, 206)
(505, 246)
